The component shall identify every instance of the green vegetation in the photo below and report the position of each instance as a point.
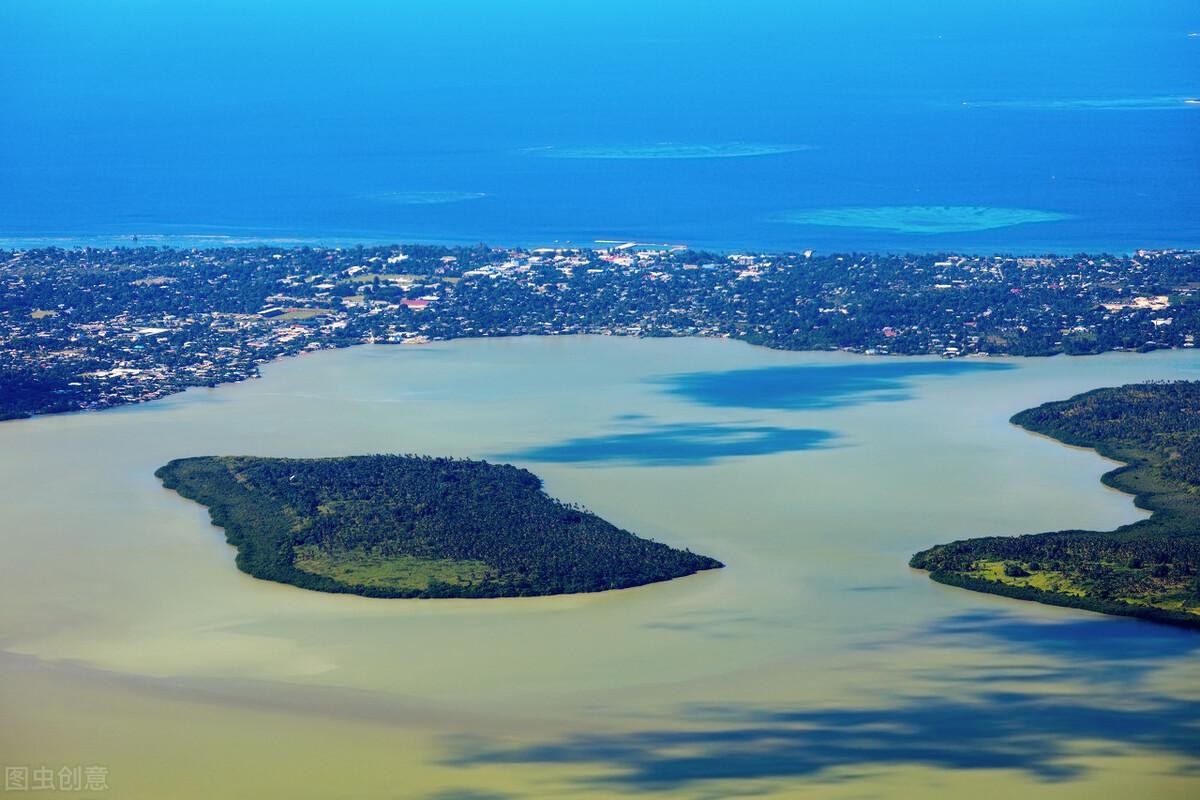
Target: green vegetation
(367, 568)
(1149, 569)
(292, 314)
(386, 277)
(416, 526)
(206, 304)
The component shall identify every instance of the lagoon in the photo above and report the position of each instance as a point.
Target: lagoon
(816, 664)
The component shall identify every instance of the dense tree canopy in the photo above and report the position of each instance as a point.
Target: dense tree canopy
(1150, 568)
(416, 526)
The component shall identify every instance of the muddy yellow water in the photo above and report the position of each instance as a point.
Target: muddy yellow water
(816, 664)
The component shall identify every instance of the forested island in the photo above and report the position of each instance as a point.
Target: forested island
(93, 328)
(416, 526)
(1148, 569)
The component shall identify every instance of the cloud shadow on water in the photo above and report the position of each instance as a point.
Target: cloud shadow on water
(813, 387)
(1095, 638)
(1034, 733)
(971, 720)
(1095, 649)
(678, 444)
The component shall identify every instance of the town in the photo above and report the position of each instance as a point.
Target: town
(93, 328)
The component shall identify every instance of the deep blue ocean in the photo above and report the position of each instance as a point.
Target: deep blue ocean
(739, 124)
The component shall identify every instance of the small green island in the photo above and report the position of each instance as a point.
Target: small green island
(416, 526)
(1148, 569)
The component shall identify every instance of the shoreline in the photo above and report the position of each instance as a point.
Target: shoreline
(91, 329)
(841, 351)
(133, 240)
(1156, 525)
(287, 356)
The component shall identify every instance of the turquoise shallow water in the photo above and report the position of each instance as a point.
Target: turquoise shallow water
(707, 123)
(816, 663)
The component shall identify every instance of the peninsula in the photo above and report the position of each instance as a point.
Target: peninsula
(416, 526)
(1148, 569)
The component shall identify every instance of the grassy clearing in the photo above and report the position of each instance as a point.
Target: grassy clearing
(361, 568)
(1046, 580)
(402, 278)
(293, 314)
(42, 313)
(389, 277)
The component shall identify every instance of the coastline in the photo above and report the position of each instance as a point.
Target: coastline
(96, 328)
(904, 244)
(432, 342)
(1124, 478)
(305, 353)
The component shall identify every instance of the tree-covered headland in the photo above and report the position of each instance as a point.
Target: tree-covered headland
(416, 526)
(1148, 569)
